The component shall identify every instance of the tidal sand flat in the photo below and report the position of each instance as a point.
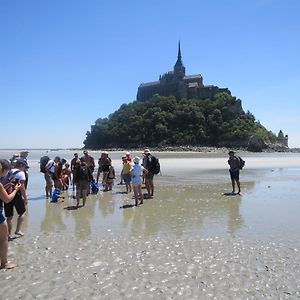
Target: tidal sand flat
(189, 242)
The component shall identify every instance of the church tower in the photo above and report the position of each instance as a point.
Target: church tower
(179, 69)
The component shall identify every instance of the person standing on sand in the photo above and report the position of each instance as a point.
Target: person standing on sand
(82, 178)
(49, 171)
(148, 164)
(73, 165)
(136, 173)
(234, 171)
(19, 202)
(125, 174)
(89, 161)
(6, 198)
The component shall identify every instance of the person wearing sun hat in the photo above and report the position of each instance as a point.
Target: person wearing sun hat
(136, 174)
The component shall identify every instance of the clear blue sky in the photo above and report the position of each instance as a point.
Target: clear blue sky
(63, 64)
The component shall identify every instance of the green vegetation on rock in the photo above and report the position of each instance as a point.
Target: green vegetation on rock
(164, 121)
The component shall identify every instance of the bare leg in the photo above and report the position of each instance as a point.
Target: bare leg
(239, 186)
(84, 194)
(141, 194)
(233, 185)
(151, 187)
(20, 221)
(136, 195)
(4, 247)
(9, 225)
(147, 184)
(78, 194)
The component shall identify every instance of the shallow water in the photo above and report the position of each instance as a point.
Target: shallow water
(188, 200)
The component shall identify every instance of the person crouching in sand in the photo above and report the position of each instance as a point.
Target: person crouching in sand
(6, 198)
(136, 173)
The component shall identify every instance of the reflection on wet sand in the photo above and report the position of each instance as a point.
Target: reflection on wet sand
(176, 210)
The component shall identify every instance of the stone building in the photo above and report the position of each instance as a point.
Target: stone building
(176, 83)
(282, 139)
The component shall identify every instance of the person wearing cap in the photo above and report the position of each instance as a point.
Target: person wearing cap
(234, 171)
(147, 163)
(137, 173)
(19, 202)
(128, 156)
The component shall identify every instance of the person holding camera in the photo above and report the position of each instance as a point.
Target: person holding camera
(19, 202)
(6, 198)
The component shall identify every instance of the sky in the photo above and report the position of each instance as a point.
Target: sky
(64, 64)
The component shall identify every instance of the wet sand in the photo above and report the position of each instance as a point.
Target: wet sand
(189, 242)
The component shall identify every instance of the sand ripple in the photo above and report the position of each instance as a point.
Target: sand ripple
(161, 267)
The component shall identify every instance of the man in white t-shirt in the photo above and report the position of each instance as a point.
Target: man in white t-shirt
(137, 173)
(19, 202)
(49, 171)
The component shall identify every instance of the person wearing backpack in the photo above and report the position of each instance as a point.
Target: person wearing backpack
(82, 178)
(234, 170)
(150, 164)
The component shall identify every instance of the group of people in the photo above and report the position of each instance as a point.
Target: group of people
(79, 173)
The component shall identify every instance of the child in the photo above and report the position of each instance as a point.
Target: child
(66, 177)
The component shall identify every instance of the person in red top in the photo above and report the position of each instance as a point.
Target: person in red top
(129, 158)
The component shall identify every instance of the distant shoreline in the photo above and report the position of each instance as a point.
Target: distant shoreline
(201, 149)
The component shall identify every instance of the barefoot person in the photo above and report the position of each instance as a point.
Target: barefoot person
(19, 202)
(136, 174)
(82, 179)
(234, 171)
(6, 198)
(125, 174)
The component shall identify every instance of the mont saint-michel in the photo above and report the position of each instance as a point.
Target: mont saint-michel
(177, 83)
(179, 110)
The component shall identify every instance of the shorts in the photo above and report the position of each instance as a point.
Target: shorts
(126, 178)
(149, 176)
(48, 178)
(2, 218)
(18, 203)
(234, 175)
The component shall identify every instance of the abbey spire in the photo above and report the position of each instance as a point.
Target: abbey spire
(179, 69)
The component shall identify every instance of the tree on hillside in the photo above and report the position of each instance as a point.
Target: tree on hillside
(167, 121)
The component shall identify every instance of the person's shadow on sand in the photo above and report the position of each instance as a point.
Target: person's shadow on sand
(231, 194)
(72, 207)
(127, 206)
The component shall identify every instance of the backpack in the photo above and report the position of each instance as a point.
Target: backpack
(43, 162)
(241, 163)
(94, 187)
(83, 172)
(155, 165)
